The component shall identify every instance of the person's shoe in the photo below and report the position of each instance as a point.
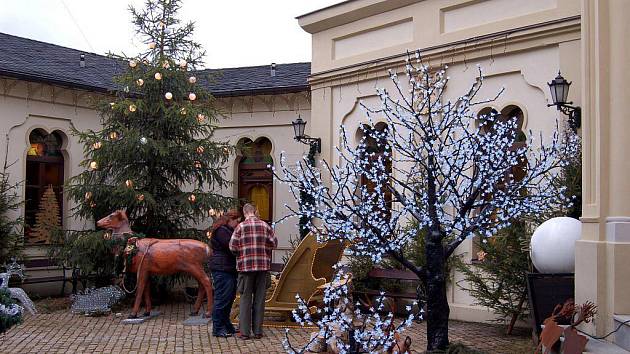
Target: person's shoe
(222, 334)
(243, 337)
(258, 336)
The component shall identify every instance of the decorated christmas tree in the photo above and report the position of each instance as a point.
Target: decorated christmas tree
(47, 220)
(154, 155)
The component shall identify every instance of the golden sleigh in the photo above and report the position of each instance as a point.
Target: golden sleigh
(306, 272)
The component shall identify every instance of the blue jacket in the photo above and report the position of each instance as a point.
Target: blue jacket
(222, 258)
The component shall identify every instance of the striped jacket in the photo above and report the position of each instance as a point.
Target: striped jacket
(252, 242)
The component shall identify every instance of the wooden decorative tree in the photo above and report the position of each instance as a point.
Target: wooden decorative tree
(47, 218)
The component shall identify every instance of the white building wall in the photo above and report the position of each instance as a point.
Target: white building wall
(519, 45)
(25, 106)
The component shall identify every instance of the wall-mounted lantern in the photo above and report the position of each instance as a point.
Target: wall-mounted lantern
(559, 88)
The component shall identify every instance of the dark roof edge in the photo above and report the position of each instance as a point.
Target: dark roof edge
(251, 66)
(222, 93)
(261, 91)
(48, 80)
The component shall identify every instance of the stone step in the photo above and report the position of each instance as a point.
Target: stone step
(599, 346)
(596, 346)
(622, 336)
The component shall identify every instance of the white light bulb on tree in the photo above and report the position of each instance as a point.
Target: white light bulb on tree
(168, 96)
(192, 96)
(139, 82)
(192, 79)
(158, 76)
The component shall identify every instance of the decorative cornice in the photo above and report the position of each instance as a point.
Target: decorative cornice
(474, 48)
(46, 93)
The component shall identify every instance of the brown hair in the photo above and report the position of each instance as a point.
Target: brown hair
(231, 214)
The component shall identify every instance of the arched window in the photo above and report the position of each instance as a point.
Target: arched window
(255, 179)
(44, 182)
(378, 147)
(518, 171)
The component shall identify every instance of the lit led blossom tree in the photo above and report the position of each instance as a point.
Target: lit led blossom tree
(345, 328)
(451, 170)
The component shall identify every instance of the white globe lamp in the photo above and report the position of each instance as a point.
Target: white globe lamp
(553, 245)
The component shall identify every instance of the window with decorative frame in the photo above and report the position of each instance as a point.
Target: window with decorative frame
(377, 147)
(517, 172)
(255, 178)
(45, 166)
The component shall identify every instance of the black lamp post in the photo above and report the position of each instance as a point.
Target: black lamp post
(315, 148)
(559, 88)
(298, 130)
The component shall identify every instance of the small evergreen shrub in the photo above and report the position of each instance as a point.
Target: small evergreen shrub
(10, 312)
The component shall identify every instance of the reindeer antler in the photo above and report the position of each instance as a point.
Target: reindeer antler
(565, 312)
(586, 312)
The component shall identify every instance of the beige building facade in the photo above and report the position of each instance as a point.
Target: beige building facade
(602, 266)
(520, 45)
(39, 110)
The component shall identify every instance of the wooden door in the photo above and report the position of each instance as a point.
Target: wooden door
(256, 186)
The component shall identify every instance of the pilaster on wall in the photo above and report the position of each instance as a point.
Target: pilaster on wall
(603, 253)
(322, 121)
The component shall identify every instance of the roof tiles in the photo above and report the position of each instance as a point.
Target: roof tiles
(33, 60)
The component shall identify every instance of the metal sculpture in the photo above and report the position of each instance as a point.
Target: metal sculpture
(574, 343)
(96, 302)
(150, 256)
(17, 293)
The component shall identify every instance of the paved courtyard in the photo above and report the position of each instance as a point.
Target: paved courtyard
(61, 332)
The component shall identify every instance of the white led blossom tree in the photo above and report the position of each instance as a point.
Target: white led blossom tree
(438, 163)
(347, 329)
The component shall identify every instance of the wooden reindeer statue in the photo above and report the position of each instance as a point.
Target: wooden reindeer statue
(161, 257)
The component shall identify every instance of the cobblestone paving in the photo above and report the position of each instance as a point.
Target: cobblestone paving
(62, 332)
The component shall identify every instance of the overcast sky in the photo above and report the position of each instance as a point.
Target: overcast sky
(233, 32)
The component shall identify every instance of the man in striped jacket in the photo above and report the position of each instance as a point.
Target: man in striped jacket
(252, 243)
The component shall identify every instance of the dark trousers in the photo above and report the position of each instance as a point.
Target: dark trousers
(252, 287)
(224, 293)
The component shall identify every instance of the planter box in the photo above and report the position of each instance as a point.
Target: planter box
(545, 292)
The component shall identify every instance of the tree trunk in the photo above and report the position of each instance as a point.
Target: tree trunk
(437, 303)
(515, 315)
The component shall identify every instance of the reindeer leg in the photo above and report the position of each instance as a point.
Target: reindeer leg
(147, 300)
(203, 280)
(142, 282)
(200, 294)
